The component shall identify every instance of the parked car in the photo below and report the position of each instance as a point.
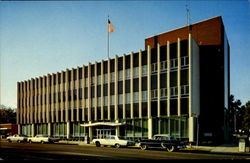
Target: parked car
(112, 140)
(164, 141)
(17, 138)
(42, 139)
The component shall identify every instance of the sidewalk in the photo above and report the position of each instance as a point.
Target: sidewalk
(222, 149)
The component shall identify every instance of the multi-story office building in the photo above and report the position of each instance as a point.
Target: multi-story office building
(181, 77)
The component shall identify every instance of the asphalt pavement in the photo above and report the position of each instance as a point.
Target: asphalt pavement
(61, 151)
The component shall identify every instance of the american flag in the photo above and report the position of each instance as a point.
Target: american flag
(111, 28)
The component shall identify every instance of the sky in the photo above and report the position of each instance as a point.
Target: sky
(43, 37)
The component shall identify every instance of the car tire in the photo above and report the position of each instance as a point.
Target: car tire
(171, 148)
(144, 147)
(9, 140)
(42, 142)
(18, 141)
(30, 141)
(97, 144)
(117, 145)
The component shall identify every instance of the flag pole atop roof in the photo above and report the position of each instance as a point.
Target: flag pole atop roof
(111, 29)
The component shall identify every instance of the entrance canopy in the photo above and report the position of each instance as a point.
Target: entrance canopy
(102, 124)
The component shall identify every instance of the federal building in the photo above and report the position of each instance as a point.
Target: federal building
(178, 85)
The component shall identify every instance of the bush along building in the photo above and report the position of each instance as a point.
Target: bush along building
(178, 85)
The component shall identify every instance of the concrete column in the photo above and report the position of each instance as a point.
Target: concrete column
(18, 104)
(131, 85)
(62, 88)
(158, 81)
(190, 119)
(124, 87)
(72, 96)
(35, 101)
(68, 129)
(39, 99)
(150, 121)
(33, 130)
(109, 80)
(32, 99)
(28, 101)
(179, 77)
(47, 100)
(52, 98)
(117, 129)
(49, 129)
(95, 91)
(67, 95)
(44, 105)
(83, 93)
(149, 81)
(168, 79)
(56, 104)
(21, 103)
(19, 129)
(140, 84)
(25, 103)
(56, 89)
(116, 88)
(77, 94)
(89, 92)
(102, 100)
(150, 128)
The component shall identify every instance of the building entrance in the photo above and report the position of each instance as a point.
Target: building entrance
(102, 133)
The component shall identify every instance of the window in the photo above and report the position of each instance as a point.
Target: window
(127, 74)
(136, 72)
(112, 100)
(86, 82)
(154, 94)
(92, 102)
(164, 65)
(120, 75)
(173, 91)
(154, 67)
(144, 70)
(127, 98)
(144, 96)
(184, 61)
(86, 103)
(92, 80)
(105, 78)
(184, 90)
(164, 92)
(174, 63)
(105, 100)
(120, 99)
(136, 97)
(99, 79)
(80, 84)
(112, 77)
(99, 102)
(75, 82)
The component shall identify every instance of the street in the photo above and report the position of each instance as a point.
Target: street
(35, 151)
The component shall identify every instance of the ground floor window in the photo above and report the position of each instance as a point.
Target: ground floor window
(174, 126)
(27, 130)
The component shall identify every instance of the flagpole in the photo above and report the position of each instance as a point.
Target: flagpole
(108, 40)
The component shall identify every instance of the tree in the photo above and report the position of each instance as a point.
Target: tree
(246, 117)
(7, 115)
(235, 113)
